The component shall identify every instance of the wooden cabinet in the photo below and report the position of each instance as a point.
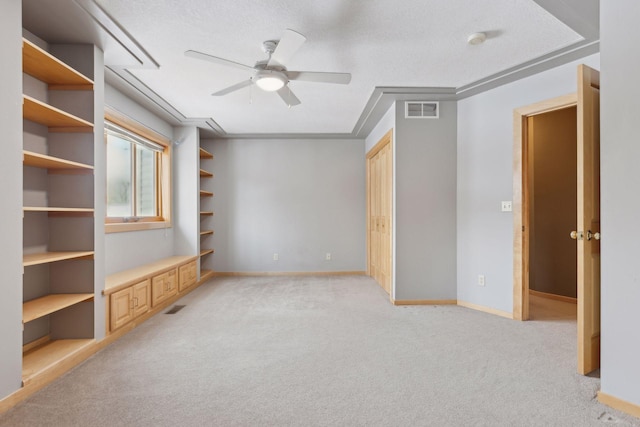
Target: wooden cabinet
(58, 204)
(129, 303)
(163, 286)
(140, 292)
(188, 275)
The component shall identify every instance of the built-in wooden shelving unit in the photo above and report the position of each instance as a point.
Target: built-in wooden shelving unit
(68, 202)
(206, 210)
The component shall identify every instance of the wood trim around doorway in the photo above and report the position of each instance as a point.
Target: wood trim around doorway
(520, 202)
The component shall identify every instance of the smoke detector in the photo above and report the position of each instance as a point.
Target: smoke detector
(476, 38)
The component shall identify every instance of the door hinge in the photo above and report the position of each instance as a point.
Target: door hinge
(523, 228)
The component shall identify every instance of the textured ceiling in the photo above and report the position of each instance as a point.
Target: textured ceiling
(382, 43)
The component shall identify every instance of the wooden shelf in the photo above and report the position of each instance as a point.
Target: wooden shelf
(206, 213)
(57, 120)
(204, 154)
(204, 252)
(206, 193)
(47, 257)
(36, 160)
(45, 67)
(50, 355)
(41, 307)
(206, 232)
(205, 174)
(60, 211)
(205, 275)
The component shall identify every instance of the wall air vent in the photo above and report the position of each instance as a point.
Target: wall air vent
(421, 110)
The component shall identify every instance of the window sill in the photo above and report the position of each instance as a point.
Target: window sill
(135, 226)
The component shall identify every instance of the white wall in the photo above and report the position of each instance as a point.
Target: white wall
(11, 195)
(620, 180)
(129, 249)
(300, 198)
(425, 205)
(387, 122)
(485, 177)
(186, 173)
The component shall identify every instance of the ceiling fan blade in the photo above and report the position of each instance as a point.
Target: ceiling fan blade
(318, 77)
(286, 48)
(233, 88)
(216, 60)
(288, 97)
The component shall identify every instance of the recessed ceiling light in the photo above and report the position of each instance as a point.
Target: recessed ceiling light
(476, 38)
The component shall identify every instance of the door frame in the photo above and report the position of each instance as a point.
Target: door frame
(387, 139)
(521, 197)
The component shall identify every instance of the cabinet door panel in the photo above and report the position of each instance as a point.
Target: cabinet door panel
(141, 298)
(158, 289)
(172, 282)
(121, 311)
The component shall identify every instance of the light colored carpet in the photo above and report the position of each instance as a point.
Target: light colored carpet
(324, 351)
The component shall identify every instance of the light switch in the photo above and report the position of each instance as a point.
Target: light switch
(507, 206)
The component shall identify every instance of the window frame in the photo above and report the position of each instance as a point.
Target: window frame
(163, 178)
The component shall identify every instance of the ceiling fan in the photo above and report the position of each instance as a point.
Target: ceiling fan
(271, 74)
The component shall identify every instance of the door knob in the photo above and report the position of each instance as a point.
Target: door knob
(576, 235)
(591, 235)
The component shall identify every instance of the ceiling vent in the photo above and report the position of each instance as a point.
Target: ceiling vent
(421, 110)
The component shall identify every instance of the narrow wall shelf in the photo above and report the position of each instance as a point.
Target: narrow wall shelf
(206, 232)
(46, 356)
(37, 160)
(43, 66)
(51, 303)
(206, 193)
(56, 119)
(204, 252)
(205, 174)
(47, 257)
(206, 213)
(204, 154)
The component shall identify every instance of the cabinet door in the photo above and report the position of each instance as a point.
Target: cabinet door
(141, 298)
(187, 275)
(159, 289)
(121, 308)
(172, 282)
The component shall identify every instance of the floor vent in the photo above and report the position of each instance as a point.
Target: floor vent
(421, 110)
(175, 309)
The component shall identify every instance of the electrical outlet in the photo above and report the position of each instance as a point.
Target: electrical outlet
(275, 257)
(507, 206)
(481, 280)
(327, 257)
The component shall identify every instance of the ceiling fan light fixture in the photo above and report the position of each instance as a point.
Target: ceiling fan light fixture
(270, 81)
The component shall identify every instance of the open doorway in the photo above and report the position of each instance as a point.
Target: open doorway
(551, 169)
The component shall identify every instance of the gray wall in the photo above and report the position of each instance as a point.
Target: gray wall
(11, 195)
(129, 249)
(425, 205)
(300, 198)
(620, 179)
(185, 190)
(485, 178)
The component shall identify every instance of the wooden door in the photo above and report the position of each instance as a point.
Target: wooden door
(379, 210)
(588, 219)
